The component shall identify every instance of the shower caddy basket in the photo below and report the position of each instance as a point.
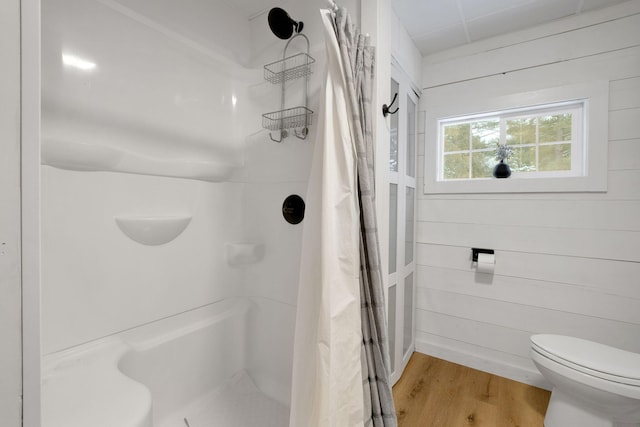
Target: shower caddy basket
(279, 72)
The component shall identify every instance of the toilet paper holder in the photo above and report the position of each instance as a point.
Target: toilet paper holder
(476, 251)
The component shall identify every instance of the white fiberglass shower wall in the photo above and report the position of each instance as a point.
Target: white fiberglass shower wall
(161, 205)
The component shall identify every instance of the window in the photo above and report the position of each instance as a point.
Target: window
(557, 137)
(544, 141)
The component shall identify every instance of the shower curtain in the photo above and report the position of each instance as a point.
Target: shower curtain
(341, 357)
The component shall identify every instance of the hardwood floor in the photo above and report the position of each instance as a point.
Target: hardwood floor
(435, 393)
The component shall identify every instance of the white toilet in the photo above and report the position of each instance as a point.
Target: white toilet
(594, 385)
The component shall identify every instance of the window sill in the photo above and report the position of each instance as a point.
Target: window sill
(517, 185)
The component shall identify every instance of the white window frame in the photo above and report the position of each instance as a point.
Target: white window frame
(575, 108)
(593, 174)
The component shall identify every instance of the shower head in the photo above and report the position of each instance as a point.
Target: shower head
(281, 23)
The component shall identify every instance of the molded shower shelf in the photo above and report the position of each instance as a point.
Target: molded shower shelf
(152, 230)
(81, 156)
(243, 253)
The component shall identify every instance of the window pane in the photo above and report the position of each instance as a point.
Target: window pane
(555, 128)
(485, 134)
(408, 229)
(393, 123)
(456, 137)
(408, 314)
(456, 166)
(482, 163)
(555, 157)
(411, 138)
(521, 131)
(393, 226)
(523, 159)
(391, 324)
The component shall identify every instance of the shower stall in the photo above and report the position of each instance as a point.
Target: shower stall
(169, 275)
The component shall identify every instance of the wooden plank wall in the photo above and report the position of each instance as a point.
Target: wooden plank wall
(567, 263)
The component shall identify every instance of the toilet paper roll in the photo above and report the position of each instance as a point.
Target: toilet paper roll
(486, 263)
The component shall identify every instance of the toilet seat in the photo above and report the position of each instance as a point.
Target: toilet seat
(598, 360)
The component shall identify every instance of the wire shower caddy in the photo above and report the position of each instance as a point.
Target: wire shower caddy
(279, 72)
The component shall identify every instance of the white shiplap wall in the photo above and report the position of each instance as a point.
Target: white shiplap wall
(567, 263)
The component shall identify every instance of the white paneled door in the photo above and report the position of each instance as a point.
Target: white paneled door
(402, 198)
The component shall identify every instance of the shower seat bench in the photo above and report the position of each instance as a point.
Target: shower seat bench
(83, 387)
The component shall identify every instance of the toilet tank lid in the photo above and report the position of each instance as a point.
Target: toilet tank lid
(591, 355)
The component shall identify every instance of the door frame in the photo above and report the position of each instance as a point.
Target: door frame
(30, 209)
(10, 211)
(406, 90)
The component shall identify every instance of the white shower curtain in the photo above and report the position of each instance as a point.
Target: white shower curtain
(327, 387)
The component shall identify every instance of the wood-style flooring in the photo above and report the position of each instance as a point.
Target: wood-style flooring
(435, 393)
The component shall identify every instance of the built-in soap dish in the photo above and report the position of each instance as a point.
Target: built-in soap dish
(153, 230)
(239, 254)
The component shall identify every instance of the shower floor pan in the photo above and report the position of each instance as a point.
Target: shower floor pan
(238, 403)
(186, 370)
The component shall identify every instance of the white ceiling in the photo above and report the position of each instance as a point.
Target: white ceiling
(436, 25)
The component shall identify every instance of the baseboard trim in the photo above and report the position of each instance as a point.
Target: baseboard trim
(475, 361)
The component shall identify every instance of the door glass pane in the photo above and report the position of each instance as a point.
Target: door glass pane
(391, 310)
(411, 138)
(408, 230)
(408, 314)
(393, 227)
(393, 124)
